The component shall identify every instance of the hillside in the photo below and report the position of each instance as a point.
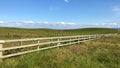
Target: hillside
(15, 33)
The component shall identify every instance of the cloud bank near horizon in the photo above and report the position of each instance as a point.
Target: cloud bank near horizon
(33, 24)
(58, 25)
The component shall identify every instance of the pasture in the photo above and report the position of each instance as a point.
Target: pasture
(100, 53)
(18, 33)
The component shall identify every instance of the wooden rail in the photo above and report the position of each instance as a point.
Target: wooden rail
(42, 44)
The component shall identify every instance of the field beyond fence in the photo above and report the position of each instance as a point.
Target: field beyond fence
(9, 48)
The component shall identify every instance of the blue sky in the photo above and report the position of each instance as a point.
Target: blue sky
(59, 14)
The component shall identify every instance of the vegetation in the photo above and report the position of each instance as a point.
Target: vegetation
(100, 53)
(16, 33)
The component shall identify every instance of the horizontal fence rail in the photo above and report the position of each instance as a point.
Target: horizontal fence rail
(10, 48)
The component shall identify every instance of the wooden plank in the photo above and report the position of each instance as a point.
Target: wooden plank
(29, 39)
(31, 45)
(2, 41)
(20, 53)
(15, 47)
(1, 54)
(24, 46)
(1, 47)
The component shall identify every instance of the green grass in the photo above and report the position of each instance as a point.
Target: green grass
(101, 53)
(16, 33)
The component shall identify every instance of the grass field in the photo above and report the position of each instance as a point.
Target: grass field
(17, 33)
(100, 53)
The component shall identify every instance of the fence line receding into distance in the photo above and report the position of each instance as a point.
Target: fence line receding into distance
(10, 48)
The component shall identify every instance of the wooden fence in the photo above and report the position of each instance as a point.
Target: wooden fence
(23, 46)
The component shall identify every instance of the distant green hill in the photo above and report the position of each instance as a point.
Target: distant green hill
(15, 33)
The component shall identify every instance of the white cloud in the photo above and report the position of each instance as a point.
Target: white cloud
(116, 9)
(71, 24)
(111, 24)
(1, 22)
(60, 25)
(34, 24)
(44, 23)
(67, 1)
(66, 24)
(28, 22)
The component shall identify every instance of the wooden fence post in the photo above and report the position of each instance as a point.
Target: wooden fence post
(88, 37)
(70, 40)
(21, 43)
(52, 40)
(83, 38)
(1, 53)
(59, 39)
(38, 44)
(96, 36)
(58, 42)
(77, 40)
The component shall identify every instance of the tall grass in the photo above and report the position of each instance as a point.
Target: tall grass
(17, 33)
(101, 53)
